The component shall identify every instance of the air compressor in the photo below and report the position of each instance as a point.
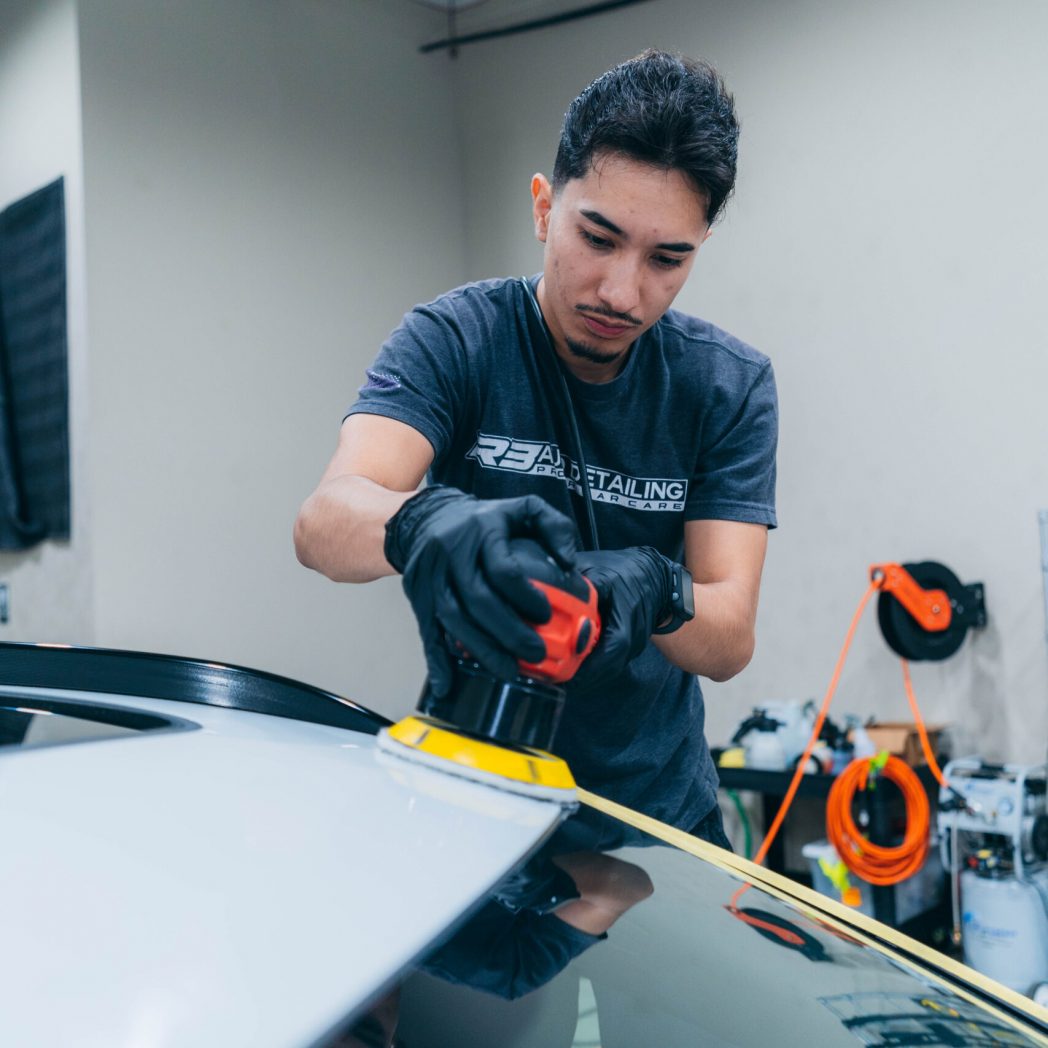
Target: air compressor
(993, 827)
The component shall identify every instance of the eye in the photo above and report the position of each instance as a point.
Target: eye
(594, 241)
(667, 262)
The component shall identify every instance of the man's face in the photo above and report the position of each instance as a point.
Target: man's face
(620, 242)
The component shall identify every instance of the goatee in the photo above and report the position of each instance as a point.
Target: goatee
(594, 356)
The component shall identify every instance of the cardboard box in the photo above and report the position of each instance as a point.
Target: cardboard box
(901, 739)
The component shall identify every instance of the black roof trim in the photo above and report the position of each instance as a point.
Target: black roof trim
(152, 676)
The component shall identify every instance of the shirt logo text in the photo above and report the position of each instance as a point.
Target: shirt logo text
(542, 458)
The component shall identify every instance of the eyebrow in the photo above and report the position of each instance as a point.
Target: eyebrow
(596, 217)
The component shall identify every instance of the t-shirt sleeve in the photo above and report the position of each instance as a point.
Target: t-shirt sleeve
(419, 376)
(735, 477)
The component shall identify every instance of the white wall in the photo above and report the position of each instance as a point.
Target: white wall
(885, 248)
(50, 585)
(269, 186)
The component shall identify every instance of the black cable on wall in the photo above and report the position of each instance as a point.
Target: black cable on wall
(524, 27)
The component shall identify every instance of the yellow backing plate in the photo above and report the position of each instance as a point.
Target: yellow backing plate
(532, 771)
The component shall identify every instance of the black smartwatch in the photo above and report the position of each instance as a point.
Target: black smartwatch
(682, 600)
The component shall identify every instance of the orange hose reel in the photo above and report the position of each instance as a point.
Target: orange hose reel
(929, 607)
(924, 612)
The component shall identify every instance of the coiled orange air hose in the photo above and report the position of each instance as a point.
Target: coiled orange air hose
(876, 863)
(872, 862)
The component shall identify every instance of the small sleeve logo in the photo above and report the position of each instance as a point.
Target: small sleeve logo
(380, 380)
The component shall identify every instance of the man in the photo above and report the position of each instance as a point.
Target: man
(609, 422)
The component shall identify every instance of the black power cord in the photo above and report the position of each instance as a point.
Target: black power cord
(541, 336)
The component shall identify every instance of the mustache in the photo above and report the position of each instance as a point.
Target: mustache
(601, 311)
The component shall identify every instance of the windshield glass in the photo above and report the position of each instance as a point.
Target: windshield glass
(608, 936)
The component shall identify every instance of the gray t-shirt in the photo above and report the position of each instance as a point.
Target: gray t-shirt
(686, 431)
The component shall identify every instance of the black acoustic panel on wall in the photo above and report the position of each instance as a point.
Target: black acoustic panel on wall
(34, 375)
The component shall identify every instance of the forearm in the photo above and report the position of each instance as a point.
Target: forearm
(340, 530)
(719, 641)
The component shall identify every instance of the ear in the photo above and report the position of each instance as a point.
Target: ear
(706, 236)
(541, 205)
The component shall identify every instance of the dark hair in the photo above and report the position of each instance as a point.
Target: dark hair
(661, 109)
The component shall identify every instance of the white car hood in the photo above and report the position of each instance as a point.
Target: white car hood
(250, 882)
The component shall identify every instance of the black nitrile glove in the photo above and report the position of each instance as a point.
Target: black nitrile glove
(540, 885)
(463, 580)
(633, 587)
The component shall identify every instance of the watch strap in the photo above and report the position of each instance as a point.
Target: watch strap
(682, 600)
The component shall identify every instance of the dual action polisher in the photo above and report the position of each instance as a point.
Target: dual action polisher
(500, 731)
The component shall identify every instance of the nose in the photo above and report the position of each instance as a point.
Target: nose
(619, 287)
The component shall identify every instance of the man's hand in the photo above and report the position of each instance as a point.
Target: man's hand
(463, 580)
(634, 587)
